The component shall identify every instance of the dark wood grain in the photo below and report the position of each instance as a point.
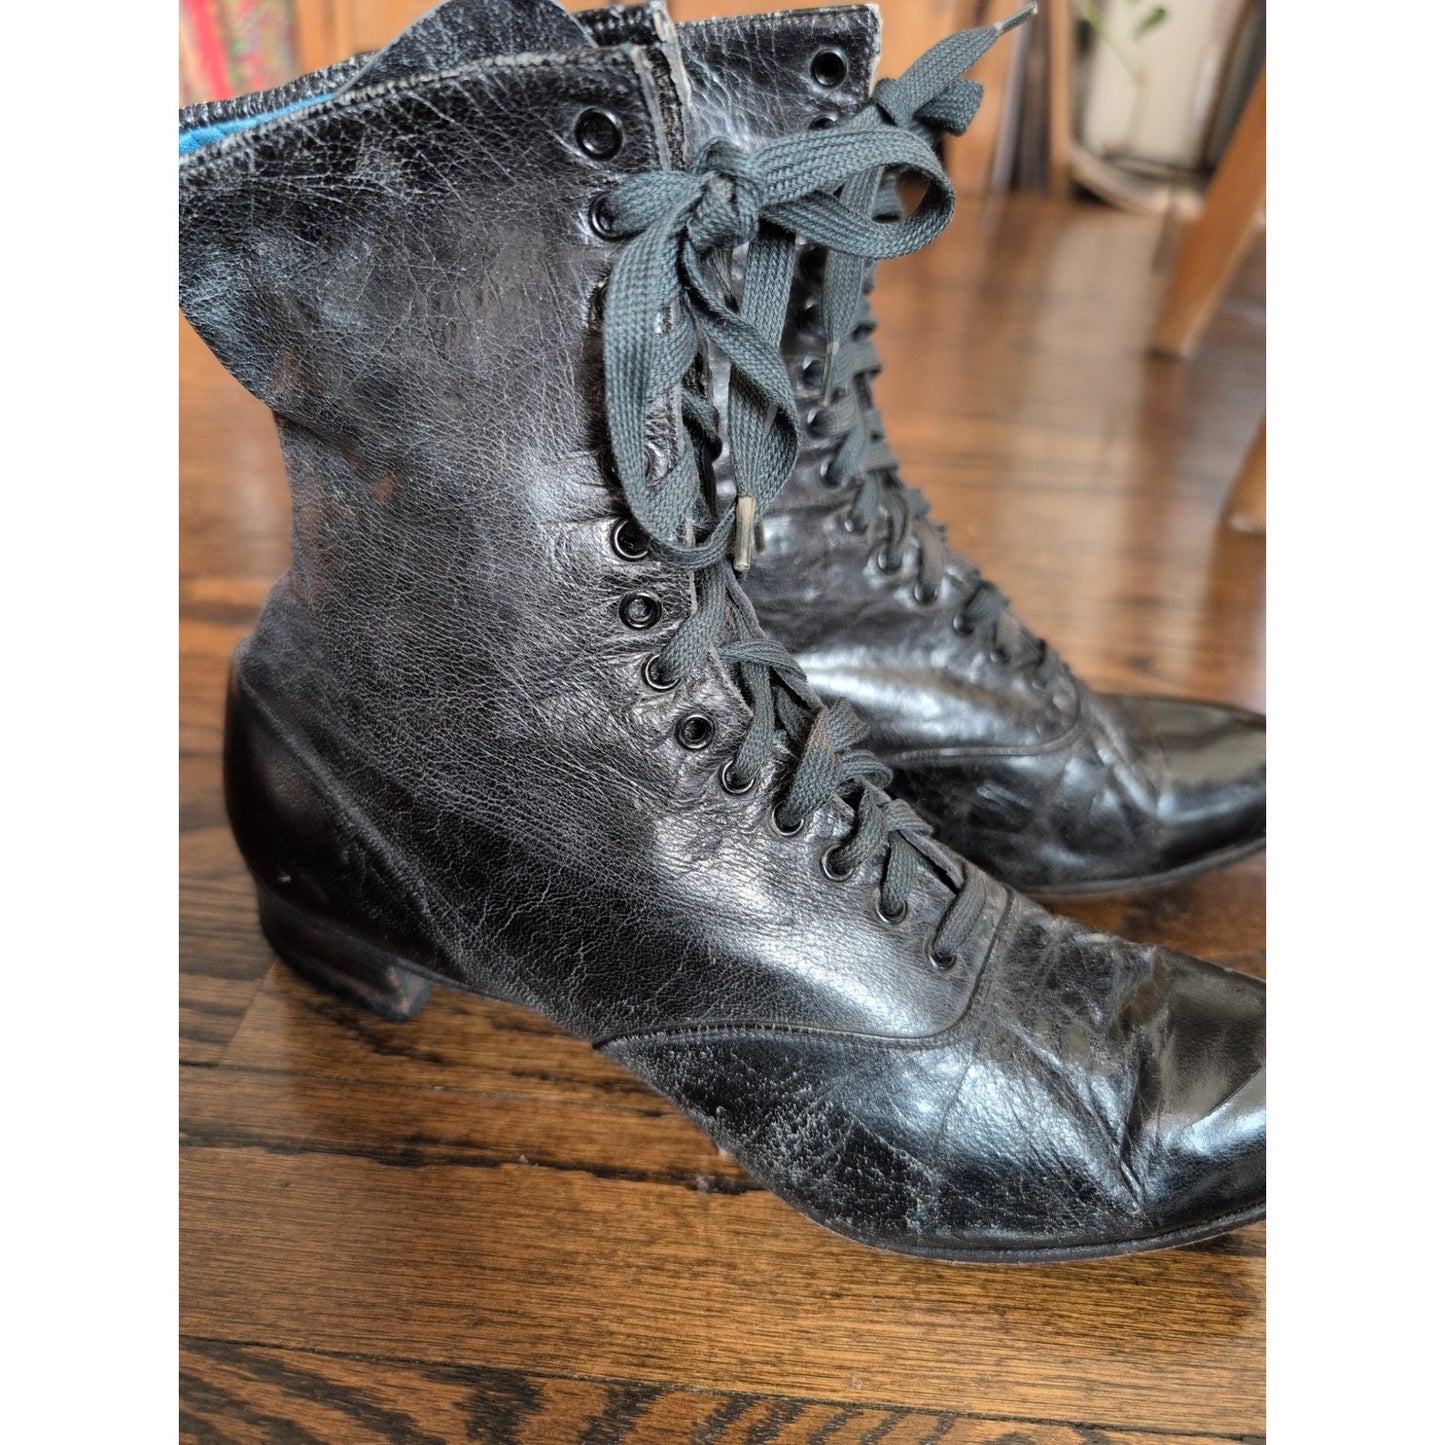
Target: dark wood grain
(245, 1392)
(471, 1227)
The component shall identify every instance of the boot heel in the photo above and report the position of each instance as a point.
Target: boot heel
(339, 962)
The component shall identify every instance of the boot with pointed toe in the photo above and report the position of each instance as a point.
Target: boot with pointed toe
(1022, 767)
(509, 724)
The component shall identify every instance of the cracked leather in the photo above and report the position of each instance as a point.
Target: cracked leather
(440, 744)
(1056, 789)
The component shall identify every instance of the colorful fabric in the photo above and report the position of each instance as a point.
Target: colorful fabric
(229, 47)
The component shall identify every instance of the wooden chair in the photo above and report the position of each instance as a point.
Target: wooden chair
(1207, 261)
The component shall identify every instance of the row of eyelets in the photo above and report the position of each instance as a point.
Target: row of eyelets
(641, 610)
(598, 134)
(831, 869)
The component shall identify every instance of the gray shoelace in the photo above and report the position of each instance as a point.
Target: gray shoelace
(845, 410)
(668, 297)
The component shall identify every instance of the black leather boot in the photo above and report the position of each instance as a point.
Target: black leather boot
(1023, 768)
(508, 723)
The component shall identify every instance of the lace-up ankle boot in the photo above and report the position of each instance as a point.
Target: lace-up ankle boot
(509, 724)
(1025, 769)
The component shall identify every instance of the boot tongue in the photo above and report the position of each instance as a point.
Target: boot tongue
(461, 31)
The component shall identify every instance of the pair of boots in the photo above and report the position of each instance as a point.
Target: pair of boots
(564, 324)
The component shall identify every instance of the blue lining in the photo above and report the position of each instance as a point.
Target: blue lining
(204, 135)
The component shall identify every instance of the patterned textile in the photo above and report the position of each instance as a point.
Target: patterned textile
(229, 47)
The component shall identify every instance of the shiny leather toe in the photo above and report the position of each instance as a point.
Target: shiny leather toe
(1096, 1096)
(1210, 762)
(1197, 1128)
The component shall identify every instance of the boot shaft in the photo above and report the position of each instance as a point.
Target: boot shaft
(446, 705)
(409, 277)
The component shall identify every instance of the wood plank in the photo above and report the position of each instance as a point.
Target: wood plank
(659, 1282)
(247, 1393)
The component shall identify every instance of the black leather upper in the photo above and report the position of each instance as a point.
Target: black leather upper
(440, 738)
(1055, 788)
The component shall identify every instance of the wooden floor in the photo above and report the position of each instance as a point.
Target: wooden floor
(470, 1228)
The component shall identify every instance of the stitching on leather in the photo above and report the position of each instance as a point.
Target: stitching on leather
(799, 20)
(762, 1033)
(913, 757)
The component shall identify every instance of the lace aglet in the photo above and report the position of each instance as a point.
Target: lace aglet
(1027, 13)
(745, 533)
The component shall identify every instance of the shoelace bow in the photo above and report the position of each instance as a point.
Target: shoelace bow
(669, 295)
(928, 101)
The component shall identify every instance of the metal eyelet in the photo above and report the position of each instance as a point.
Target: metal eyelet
(881, 560)
(826, 477)
(938, 960)
(810, 315)
(851, 527)
(651, 677)
(775, 821)
(694, 732)
(891, 919)
(738, 787)
(629, 541)
(998, 657)
(811, 421)
(829, 68)
(962, 626)
(599, 219)
(1037, 683)
(825, 121)
(640, 610)
(922, 598)
(598, 133)
(811, 372)
(829, 867)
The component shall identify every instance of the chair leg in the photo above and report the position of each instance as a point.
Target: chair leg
(1216, 245)
(1244, 510)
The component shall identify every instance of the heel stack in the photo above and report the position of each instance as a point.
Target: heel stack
(339, 962)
